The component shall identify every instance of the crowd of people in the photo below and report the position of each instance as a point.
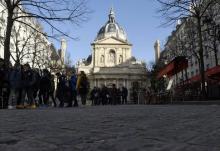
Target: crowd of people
(23, 87)
(112, 96)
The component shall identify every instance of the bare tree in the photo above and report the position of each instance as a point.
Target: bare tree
(68, 61)
(212, 31)
(174, 10)
(21, 45)
(49, 12)
(55, 64)
(40, 51)
(30, 45)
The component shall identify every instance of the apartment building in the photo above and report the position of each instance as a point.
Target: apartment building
(183, 42)
(27, 45)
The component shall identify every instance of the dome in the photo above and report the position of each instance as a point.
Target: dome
(111, 29)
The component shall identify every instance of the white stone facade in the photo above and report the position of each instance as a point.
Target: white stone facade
(34, 48)
(111, 61)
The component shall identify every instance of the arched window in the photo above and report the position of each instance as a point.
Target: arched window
(112, 56)
(102, 59)
(120, 59)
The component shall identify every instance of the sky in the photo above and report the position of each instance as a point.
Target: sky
(137, 17)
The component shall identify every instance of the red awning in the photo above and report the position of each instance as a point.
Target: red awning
(212, 74)
(175, 66)
(166, 70)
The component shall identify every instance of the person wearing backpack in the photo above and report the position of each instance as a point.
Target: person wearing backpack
(82, 87)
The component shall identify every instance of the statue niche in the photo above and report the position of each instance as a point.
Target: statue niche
(112, 57)
(102, 59)
(120, 59)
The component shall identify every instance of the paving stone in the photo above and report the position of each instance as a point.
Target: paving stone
(112, 128)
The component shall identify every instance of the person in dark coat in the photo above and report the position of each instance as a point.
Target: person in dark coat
(15, 85)
(104, 95)
(119, 94)
(73, 82)
(3, 85)
(95, 96)
(60, 93)
(68, 94)
(83, 86)
(114, 94)
(51, 90)
(45, 86)
(36, 87)
(124, 94)
(28, 82)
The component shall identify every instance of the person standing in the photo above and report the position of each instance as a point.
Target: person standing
(124, 95)
(119, 95)
(15, 85)
(73, 82)
(114, 94)
(61, 87)
(37, 84)
(104, 95)
(29, 80)
(45, 87)
(82, 87)
(52, 89)
(4, 86)
(95, 96)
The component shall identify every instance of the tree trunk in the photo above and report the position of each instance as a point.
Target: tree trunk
(35, 53)
(7, 40)
(202, 69)
(215, 51)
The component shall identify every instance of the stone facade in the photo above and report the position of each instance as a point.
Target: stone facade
(111, 61)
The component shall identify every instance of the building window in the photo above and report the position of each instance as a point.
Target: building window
(102, 59)
(207, 66)
(192, 73)
(196, 62)
(112, 56)
(120, 59)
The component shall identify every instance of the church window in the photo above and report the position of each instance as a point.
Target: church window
(112, 56)
(102, 59)
(120, 59)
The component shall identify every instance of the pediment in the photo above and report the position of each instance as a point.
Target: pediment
(111, 40)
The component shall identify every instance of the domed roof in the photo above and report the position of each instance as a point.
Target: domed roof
(111, 29)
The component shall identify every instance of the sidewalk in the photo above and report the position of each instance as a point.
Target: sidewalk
(209, 102)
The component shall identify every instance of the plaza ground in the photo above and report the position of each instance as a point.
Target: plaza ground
(112, 128)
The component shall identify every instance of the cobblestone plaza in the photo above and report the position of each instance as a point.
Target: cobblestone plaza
(113, 128)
